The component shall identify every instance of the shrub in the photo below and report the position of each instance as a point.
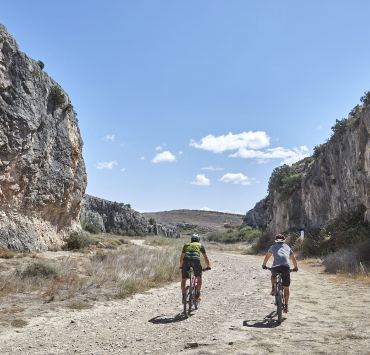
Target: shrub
(339, 126)
(317, 150)
(244, 234)
(39, 269)
(347, 229)
(56, 96)
(262, 244)
(152, 221)
(343, 260)
(286, 179)
(41, 64)
(365, 99)
(78, 240)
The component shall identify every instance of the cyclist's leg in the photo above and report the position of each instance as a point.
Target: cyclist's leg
(197, 266)
(286, 284)
(273, 281)
(286, 294)
(184, 276)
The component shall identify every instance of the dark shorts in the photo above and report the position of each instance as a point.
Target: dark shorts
(195, 264)
(285, 273)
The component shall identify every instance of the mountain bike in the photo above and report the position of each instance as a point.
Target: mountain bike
(279, 294)
(191, 300)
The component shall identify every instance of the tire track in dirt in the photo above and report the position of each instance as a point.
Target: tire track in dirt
(234, 318)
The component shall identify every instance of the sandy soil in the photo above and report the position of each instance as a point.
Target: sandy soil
(235, 317)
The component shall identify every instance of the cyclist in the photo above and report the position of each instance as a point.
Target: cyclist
(281, 253)
(190, 257)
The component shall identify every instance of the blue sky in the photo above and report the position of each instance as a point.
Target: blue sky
(192, 104)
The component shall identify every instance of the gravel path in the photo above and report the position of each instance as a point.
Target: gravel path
(326, 317)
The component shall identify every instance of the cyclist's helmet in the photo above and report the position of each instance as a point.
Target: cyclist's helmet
(279, 238)
(195, 238)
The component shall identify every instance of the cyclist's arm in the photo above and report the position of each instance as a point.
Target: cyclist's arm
(181, 259)
(206, 260)
(267, 257)
(182, 256)
(294, 260)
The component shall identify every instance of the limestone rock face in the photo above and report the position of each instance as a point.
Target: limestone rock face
(42, 172)
(116, 217)
(335, 180)
(119, 218)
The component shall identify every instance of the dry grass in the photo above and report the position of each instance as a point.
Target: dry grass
(163, 241)
(7, 254)
(76, 280)
(136, 269)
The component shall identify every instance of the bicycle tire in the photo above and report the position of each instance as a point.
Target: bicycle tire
(185, 301)
(279, 299)
(190, 301)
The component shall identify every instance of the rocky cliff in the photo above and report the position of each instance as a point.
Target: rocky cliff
(99, 215)
(314, 191)
(42, 172)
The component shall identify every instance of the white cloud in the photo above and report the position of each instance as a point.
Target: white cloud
(106, 165)
(236, 178)
(212, 168)
(230, 141)
(110, 137)
(158, 148)
(180, 152)
(123, 170)
(142, 158)
(288, 156)
(164, 157)
(206, 209)
(201, 180)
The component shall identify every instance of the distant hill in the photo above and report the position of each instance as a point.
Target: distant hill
(197, 220)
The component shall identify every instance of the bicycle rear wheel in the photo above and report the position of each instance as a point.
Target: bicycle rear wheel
(190, 292)
(185, 300)
(195, 300)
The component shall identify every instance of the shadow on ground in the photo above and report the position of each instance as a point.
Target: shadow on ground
(167, 319)
(267, 322)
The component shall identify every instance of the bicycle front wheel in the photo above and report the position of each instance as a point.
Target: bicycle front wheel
(279, 302)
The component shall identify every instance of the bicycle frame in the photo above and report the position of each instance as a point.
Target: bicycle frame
(279, 294)
(191, 290)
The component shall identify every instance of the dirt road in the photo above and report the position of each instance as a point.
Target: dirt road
(326, 317)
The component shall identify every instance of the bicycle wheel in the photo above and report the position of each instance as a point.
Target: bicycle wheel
(279, 299)
(185, 301)
(191, 291)
(195, 300)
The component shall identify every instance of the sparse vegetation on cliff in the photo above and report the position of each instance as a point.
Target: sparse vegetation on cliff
(56, 96)
(286, 179)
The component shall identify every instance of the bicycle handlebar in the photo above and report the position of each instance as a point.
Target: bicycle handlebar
(291, 270)
(205, 269)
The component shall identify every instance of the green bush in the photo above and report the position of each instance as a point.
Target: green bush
(263, 243)
(244, 234)
(91, 228)
(78, 240)
(346, 230)
(365, 99)
(317, 150)
(286, 179)
(56, 96)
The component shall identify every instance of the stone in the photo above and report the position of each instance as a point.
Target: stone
(335, 180)
(42, 171)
